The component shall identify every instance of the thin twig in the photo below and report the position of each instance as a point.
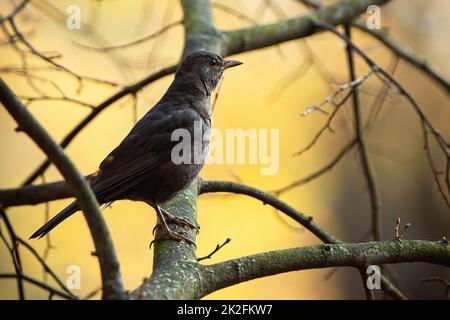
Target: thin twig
(15, 11)
(363, 149)
(330, 99)
(399, 49)
(92, 294)
(445, 282)
(304, 220)
(30, 100)
(319, 172)
(39, 284)
(327, 124)
(46, 267)
(442, 142)
(218, 247)
(109, 265)
(35, 52)
(136, 42)
(233, 12)
(14, 252)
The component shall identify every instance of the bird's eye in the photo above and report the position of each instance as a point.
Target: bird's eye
(214, 62)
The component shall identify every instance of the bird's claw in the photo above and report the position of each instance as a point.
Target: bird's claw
(178, 221)
(170, 235)
(181, 221)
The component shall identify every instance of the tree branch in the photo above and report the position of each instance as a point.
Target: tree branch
(135, 42)
(15, 11)
(47, 269)
(306, 221)
(35, 194)
(40, 284)
(205, 279)
(257, 37)
(427, 125)
(399, 49)
(14, 252)
(362, 147)
(172, 260)
(316, 174)
(173, 256)
(228, 273)
(234, 187)
(200, 32)
(109, 265)
(175, 263)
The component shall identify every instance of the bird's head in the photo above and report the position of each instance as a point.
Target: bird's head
(206, 66)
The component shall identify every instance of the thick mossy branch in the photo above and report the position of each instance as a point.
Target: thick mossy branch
(357, 255)
(176, 274)
(174, 263)
(257, 37)
(200, 33)
(187, 279)
(169, 252)
(182, 277)
(304, 220)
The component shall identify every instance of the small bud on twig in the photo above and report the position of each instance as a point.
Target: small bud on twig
(218, 247)
(399, 235)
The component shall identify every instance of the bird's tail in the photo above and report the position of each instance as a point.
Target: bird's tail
(60, 217)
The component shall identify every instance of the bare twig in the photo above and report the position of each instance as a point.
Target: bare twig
(40, 284)
(234, 12)
(399, 49)
(218, 247)
(426, 123)
(326, 126)
(109, 265)
(136, 42)
(319, 172)
(398, 234)
(14, 252)
(369, 292)
(353, 84)
(435, 171)
(327, 255)
(92, 294)
(30, 100)
(35, 52)
(363, 149)
(304, 220)
(50, 59)
(445, 282)
(380, 99)
(46, 267)
(15, 11)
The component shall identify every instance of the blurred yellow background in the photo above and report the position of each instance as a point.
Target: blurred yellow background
(269, 91)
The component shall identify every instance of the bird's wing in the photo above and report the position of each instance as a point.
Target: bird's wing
(146, 147)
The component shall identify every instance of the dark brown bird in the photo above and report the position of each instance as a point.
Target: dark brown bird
(153, 164)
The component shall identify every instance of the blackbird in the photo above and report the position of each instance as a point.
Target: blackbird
(153, 164)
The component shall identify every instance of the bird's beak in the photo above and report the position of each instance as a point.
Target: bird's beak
(232, 63)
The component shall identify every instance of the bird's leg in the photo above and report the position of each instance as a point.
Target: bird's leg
(166, 230)
(170, 218)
